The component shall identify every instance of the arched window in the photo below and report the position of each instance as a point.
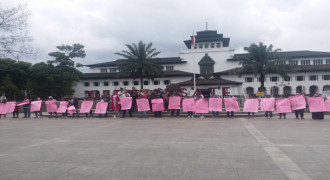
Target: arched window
(274, 91)
(260, 90)
(287, 90)
(249, 90)
(299, 89)
(326, 87)
(312, 90)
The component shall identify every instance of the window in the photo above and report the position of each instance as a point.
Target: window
(280, 62)
(200, 46)
(86, 84)
(156, 82)
(274, 79)
(96, 83)
(115, 83)
(169, 68)
(305, 62)
(105, 83)
(313, 78)
(104, 70)
(112, 70)
(135, 83)
(167, 82)
(287, 78)
(327, 61)
(145, 82)
(206, 45)
(293, 62)
(212, 45)
(125, 83)
(300, 78)
(218, 45)
(317, 61)
(326, 77)
(248, 79)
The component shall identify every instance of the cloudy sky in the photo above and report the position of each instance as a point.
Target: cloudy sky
(105, 26)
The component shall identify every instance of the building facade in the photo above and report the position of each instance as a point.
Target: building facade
(211, 60)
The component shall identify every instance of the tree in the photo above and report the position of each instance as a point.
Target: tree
(14, 36)
(262, 60)
(140, 61)
(65, 57)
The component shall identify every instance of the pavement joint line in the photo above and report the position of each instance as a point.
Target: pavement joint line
(290, 169)
(59, 139)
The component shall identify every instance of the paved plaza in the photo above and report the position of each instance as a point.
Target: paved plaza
(166, 148)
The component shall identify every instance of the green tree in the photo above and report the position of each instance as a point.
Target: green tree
(262, 60)
(140, 61)
(66, 54)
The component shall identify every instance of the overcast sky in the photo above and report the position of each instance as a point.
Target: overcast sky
(105, 26)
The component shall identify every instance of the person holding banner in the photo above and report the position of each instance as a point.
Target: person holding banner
(157, 105)
(3, 102)
(115, 103)
(124, 110)
(16, 110)
(106, 111)
(52, 105)
(174, 104)
(200, 98)
(26, 107)
(231, 105)
(75, 103)
(251, 106)
(65, 114)
(319, 115)
(298, 103)
(267, 104)
(217, 106)
(36, 112)
(281, 114)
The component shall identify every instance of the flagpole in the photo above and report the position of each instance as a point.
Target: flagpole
(193, 47)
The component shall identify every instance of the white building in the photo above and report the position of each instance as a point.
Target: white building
(212, 60)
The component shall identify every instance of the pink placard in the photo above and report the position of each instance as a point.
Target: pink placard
(297, 102)
(71, 109)
(215, 104)
(267, 104)
(202, 106)
(35, 106)
(231, 104)
(143, 104)
(174, 102)
(10, 107)
(3, 108)
(251, 105)
(63, 106)
(316, 104)
(24, 102)
(327, 104)
(51, 105)
(126, 103)
(283, 106)
(188, 104)
(86, 106)
(101, 107)
(157, 105)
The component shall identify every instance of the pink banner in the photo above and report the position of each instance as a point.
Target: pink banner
(251, 105)
(157, 105)
(267, 104)
(283, 106)
(143, 104)
(202, 106)
(174, 102)
(63, 106)
(10, 107)
(51, 105)
(71, 109)
(188, 104)
(126, 103)
(297, 102)
(101, 107)
(327, 104)
(316, 104)
(215, 104)
(231, 104)
(3, 108)
(35, 106)
(86, 106)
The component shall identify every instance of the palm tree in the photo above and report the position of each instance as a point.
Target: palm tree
(140, 61)
(262, 60)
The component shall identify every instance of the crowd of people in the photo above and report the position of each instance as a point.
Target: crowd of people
(114, 105)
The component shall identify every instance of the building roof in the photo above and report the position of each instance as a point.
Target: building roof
(291, 54)
(215, 81)
(165, 60)
(208, 36)
(174, 73)
(206, 60)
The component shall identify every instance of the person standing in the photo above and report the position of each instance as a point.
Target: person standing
(318, 115)
(282, 114)
(115, 103)
(75, 103)
(126, 94)
(26, 107)
(40, 111)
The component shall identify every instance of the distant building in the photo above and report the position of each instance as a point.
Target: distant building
(213, 60)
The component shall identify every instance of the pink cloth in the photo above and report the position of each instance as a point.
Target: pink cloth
(71, 109)
(174, 102)
(10, 106)
(283, 106)
(297, 102)
(267, 104)
(251, 105)
(101, 107)
(143, 104)
(24, 102)
(202, 106)
(86, 106)
(157, 105)
(327, 104)
(63, 106)
(215, 104)
(316, 104)
(126, 103)
(231, 104)
(35, 106)
(3, 109)
(188, 104)
(51, 105)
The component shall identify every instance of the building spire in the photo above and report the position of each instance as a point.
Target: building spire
(206, 25)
